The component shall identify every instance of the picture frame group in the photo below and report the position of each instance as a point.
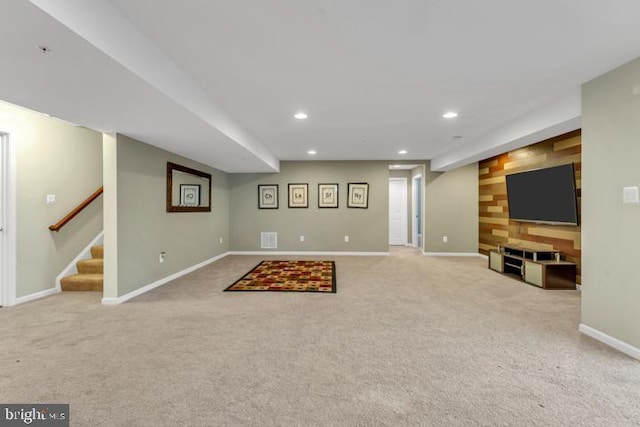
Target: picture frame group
(328, 195)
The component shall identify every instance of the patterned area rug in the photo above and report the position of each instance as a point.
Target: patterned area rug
(289, 276)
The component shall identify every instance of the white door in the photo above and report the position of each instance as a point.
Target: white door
(398, 211)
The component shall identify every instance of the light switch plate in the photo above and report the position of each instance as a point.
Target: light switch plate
(51, 199)
(630, 195)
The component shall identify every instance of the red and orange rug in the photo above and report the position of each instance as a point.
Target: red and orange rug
(289, 276)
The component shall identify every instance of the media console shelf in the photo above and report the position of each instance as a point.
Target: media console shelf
(540, 268)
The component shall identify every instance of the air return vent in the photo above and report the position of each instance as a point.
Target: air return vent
(268, 240)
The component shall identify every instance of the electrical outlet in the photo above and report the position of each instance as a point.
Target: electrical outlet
(346, 238)
(161, 257)
(445, 239)
(302, 238)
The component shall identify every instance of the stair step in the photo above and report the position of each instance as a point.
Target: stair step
(90, 266)
(97, 251)
(82, 282)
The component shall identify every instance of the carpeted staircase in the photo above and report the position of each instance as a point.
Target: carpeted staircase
(90, 273)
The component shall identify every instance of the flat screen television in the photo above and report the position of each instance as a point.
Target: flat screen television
(545, 195)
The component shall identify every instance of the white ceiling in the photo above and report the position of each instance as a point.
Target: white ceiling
(219, 81)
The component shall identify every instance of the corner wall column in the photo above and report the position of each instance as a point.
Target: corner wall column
(110, 180)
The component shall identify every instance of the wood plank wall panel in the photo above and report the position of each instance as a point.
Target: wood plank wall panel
(496, 228)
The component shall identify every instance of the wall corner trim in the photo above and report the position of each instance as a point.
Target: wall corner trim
(157, 283)
(308, 253)
(454, 254)
(37, 295)
(615, 343)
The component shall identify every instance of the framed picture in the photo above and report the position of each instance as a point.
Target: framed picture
(298, 195)
(358, 195)
(268, 196)
(189, 194)
(327, 195)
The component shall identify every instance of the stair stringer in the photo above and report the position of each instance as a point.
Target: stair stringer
(85, 254)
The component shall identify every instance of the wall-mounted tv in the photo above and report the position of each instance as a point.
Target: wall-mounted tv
(545, 195)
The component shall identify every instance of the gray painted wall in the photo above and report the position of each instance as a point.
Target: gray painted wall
(53, 157)
(451, 209)
(610, 153)
(145, 228)
(323, 229)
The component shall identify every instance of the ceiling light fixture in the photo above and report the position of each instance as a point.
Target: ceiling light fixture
(402, 152)
(312, 152)
(450, 115)
(300, 115)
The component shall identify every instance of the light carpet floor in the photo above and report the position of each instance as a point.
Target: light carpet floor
(408, 340)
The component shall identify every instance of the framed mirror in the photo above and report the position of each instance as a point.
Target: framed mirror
(188, 190)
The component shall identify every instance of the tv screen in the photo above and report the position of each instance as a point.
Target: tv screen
(543, 195)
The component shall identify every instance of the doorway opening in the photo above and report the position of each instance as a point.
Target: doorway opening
(416, 211)
(7, 221)
(398, 211)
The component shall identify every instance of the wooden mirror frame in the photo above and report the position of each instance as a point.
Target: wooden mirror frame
(170, 207)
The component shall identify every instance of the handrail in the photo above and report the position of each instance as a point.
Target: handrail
(56, 227)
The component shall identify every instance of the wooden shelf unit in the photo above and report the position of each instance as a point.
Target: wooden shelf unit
(544, 269)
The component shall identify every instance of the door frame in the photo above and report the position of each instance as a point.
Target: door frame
(406, 210)
(415, 188)
(8, 207)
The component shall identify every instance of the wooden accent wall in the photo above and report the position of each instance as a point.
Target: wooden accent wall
(495, 226)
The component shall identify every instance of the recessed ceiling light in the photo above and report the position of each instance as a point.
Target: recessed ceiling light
(402, 152)
(456, 137)
(300, 115)
(312, 152)
(450, 115)
(395, 166)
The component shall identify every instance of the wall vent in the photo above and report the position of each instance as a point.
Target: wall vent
(268, 240)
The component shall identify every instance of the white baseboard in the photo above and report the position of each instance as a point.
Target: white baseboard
(150, 286)
(454, 254)
(621, 346)
(84, 254)
(308, 253)
(37, 295)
